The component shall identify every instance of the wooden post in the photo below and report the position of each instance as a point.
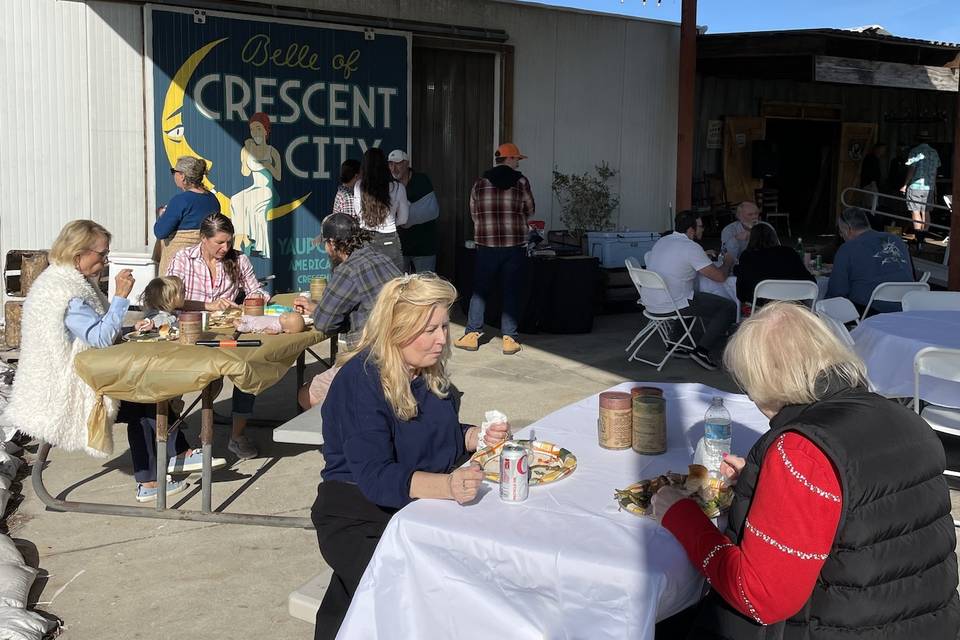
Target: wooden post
(953, 268)
(685, 85)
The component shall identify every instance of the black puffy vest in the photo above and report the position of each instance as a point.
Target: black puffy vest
(892, 572)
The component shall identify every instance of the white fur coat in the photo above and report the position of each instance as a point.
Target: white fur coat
(49, 400)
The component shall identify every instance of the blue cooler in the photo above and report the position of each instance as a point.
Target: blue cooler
(613, 247)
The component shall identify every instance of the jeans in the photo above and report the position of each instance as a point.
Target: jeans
(419, 264)
(508, 265)
(141, 433)
(718, 315)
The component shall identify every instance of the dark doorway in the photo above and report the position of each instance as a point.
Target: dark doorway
(806, 153)
(453, 135)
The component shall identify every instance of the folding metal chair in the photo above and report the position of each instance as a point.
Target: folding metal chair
(840, 309)
(944, 364)
(658, 324)
(931, 301)
(796, 290)
(892, 292)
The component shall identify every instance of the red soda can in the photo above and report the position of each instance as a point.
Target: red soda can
(514, 472)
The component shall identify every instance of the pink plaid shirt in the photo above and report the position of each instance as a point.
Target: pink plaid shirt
(198, 286)
(500, 215)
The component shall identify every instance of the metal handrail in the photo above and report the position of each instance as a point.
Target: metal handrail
(875, 196)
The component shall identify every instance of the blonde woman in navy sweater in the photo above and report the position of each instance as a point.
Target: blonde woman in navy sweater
(391, 433)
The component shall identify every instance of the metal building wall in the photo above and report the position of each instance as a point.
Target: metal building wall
(72, 119)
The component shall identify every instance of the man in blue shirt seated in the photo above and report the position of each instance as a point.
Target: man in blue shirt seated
(866, 259)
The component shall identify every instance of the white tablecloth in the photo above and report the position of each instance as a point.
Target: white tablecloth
(564, 564)
(888, 342)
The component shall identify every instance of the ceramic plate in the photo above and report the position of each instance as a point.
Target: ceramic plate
(550, 462)
(223, 319)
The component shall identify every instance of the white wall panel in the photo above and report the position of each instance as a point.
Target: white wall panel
(73, 120)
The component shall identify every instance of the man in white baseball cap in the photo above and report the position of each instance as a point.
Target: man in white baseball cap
(419, 236)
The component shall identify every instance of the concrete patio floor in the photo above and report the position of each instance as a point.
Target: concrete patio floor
(115, 577)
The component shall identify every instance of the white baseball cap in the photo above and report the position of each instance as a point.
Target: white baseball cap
(398, 155)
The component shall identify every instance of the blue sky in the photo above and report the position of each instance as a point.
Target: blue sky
(925, 19)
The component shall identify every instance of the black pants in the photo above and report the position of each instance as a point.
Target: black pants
(141, 422)
(718, 314)
(348, 529)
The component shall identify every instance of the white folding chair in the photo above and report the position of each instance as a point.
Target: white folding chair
(836, 327)
(657, 324)
(840, 309)
(943, 364)
(785, 290)
(931, 301)
(892, 292)
(924, 277)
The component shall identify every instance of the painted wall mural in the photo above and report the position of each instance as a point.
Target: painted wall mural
(274, 107)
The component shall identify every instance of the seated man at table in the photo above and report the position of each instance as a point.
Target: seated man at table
(866, 259)
(677, 258)
(359, 273)
(735, 237)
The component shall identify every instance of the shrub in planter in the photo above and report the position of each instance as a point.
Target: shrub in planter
(586, 201)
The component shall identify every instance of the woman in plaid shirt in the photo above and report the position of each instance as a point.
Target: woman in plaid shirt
(213, 273)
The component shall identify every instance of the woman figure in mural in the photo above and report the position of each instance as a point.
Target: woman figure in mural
(251, 206)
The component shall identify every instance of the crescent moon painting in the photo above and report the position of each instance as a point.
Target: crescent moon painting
(175, 142)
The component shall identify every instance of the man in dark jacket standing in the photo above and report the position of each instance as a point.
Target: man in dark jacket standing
(501, 202)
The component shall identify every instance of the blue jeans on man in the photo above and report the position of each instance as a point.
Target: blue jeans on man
(505, 266)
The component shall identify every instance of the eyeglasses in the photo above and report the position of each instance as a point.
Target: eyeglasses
(104, 255)
(174, 171)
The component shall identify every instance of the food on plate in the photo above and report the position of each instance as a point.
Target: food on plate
(164, 331)
(696, 477)
(223, 319)
(713, 496)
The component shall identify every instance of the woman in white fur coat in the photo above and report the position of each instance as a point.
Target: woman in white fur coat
(64, 314)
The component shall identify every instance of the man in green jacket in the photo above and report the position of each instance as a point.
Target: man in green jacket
(418, 237)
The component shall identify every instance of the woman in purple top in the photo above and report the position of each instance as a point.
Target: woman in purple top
(391, 433)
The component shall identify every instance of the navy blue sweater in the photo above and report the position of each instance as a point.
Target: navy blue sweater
(364, 442)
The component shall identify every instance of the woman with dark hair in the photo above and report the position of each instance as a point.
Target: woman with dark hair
(213, 275)
(381, 204)
(766, 259)
(349, 175)
(178, 225)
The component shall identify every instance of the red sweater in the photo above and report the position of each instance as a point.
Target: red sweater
(787, 535)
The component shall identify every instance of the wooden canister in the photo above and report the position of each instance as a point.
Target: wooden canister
(31, 265)
(649, 424)
(253, 306)
(191, 326)
(318, 285)
(615, 425)
(646, 391)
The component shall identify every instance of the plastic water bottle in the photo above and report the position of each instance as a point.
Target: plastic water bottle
(716, 436)
(799, 247)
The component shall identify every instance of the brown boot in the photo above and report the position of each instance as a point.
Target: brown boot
(510, 346)
(469, 341)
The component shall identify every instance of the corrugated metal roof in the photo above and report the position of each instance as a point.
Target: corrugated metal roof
(874, 33)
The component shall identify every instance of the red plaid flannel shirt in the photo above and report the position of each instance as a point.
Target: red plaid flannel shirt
(500, 215)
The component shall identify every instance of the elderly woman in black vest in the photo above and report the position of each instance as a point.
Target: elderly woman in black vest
(840, 526)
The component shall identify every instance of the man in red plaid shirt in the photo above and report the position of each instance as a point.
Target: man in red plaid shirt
(500, 204)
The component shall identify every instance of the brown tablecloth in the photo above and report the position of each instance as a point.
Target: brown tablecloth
(155, 371)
